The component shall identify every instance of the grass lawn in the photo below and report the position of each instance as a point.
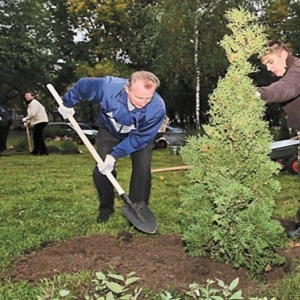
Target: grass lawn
(46, 197)
(53, 198)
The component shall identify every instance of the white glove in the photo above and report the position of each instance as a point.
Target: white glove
(25, 121)
(108, 164)
(258, 95)
(66, 111)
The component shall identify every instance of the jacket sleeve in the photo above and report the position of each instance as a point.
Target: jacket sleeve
(140, 138)
(32, 110)
(84, 89)
(287, 88)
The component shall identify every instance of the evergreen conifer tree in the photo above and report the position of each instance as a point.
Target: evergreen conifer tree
(227, 209)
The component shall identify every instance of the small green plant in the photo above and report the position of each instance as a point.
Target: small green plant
(112, 286)
(209, 292)
(50, 291)
(214, 290)
(49, 295)
(166, 295)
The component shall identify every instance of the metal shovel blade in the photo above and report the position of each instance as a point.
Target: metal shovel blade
(141, 217)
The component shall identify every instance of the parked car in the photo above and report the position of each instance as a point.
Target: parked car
(172, 136)
(173, 129)
(175, 135)
(63, 129)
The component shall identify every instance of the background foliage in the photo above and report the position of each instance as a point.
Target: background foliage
(60, 41)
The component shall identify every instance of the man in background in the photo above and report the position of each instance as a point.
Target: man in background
(5, 123)
(38, 118)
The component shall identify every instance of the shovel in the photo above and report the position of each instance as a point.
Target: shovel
(28, 137)
(138, 214)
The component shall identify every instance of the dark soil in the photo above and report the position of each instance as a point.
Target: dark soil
(160, 262)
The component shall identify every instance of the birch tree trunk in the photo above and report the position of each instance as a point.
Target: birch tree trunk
(197, 65)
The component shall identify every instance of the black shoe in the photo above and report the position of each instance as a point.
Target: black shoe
(294, 234)
(103, 217)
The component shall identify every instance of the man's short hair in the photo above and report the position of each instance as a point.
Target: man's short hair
(148, 77)
(274, 47)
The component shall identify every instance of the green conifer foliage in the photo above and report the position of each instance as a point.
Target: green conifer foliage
(227, 209)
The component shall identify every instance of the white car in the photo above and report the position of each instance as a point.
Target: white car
(88, 131)
(175, 135)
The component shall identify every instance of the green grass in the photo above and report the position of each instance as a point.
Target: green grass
(288, 200)
(53, 198)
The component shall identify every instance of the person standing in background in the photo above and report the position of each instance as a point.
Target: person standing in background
(5, 123)
(36, 117)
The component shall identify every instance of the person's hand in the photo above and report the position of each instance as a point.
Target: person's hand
(258, 95)
(66, 111)
(25, 121)
(108, 164)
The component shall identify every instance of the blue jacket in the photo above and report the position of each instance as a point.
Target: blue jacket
(136, 129)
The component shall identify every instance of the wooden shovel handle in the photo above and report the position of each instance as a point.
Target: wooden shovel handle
(28, 137)
(178, 168)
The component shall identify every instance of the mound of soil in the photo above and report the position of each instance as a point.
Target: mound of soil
(160, 262)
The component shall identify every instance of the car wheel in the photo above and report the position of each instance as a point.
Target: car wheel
(292, 165)
(161, 144)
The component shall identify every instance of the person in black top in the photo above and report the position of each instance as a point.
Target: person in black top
(5, 123)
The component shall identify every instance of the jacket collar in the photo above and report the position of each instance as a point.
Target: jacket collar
(290, 60)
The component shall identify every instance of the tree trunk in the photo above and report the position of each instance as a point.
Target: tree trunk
(197, 66)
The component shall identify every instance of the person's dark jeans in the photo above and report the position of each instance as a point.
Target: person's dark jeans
(140, 181)
(4, 130)
(38, 139)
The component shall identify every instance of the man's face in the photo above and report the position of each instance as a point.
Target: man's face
(28, 97)
(139, 93)
(276, 63)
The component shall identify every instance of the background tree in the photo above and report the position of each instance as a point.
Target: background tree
(227, 209)
(106, 26)
(39, 44)
(174, 62)
(25, 50)
(185, 29)
(113, 39)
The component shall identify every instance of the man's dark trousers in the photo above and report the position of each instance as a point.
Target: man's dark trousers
(140, 182)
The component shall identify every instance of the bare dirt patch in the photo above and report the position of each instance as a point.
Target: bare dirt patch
(160, 262)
